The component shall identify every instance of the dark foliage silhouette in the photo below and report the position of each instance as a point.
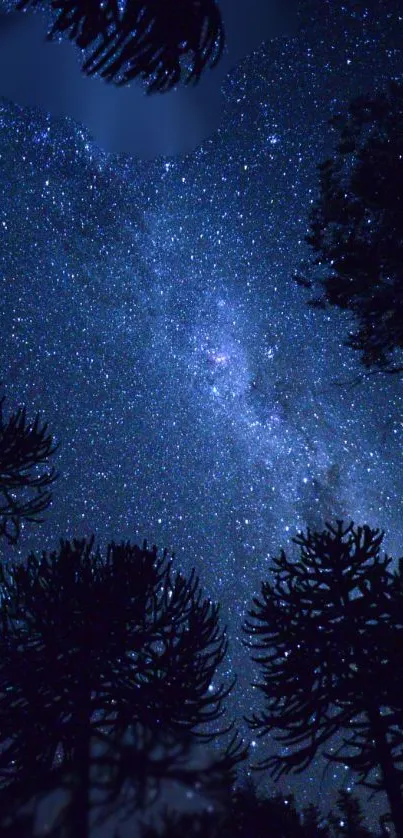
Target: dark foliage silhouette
(349, 821)
(161, 41)
(315, 826)
(20, 826)
(356, 228)
(247, 814)
(264, 816)
(25, 473)
(106, 665)
(329, 639)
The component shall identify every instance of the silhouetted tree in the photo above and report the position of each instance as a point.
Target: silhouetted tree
(25, 473)
(349, 821)
(161, 41)
(248, 815)
(356, 227)
(329, 635)
(276, 816)
(313, 821)
(106, 672)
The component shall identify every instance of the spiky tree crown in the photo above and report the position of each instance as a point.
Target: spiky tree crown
(329, 634)
(25, 472)
(119, 647)
(163, 42)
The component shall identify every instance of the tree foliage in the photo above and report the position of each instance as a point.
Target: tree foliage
(329, 640)
(25, 474)
(161, 41)
(349, 821)
(356, 228)
(106, 679)
(268, 817)
(265, 816)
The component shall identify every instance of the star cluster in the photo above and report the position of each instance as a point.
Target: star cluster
(148, 310)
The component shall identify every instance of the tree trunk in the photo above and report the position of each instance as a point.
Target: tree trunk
(390, 774)
(78, 808)
(80, 794)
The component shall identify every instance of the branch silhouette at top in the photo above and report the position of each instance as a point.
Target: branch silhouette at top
(163, 42)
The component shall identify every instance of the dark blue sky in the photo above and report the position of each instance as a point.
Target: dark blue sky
(148, 310)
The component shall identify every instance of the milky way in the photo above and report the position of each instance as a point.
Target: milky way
(148, 309)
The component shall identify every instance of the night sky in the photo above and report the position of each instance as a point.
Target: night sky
(148, 311)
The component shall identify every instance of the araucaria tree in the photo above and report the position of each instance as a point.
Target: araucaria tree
(106, 671)
(329, 639)
(25, 473)
(356, 228)
(163, 42)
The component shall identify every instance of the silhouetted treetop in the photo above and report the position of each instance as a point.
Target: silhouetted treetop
(163, 42)
(106, 676)
(349, 821)
(328, 637)
(356, 227)
(25, 473)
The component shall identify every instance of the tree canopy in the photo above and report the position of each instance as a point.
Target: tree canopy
(274, 816)
(163, 42)
(356, 228)
(106, 679)
(328, 637)
(25, 473)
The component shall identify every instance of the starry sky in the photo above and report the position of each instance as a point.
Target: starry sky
(148, 311)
